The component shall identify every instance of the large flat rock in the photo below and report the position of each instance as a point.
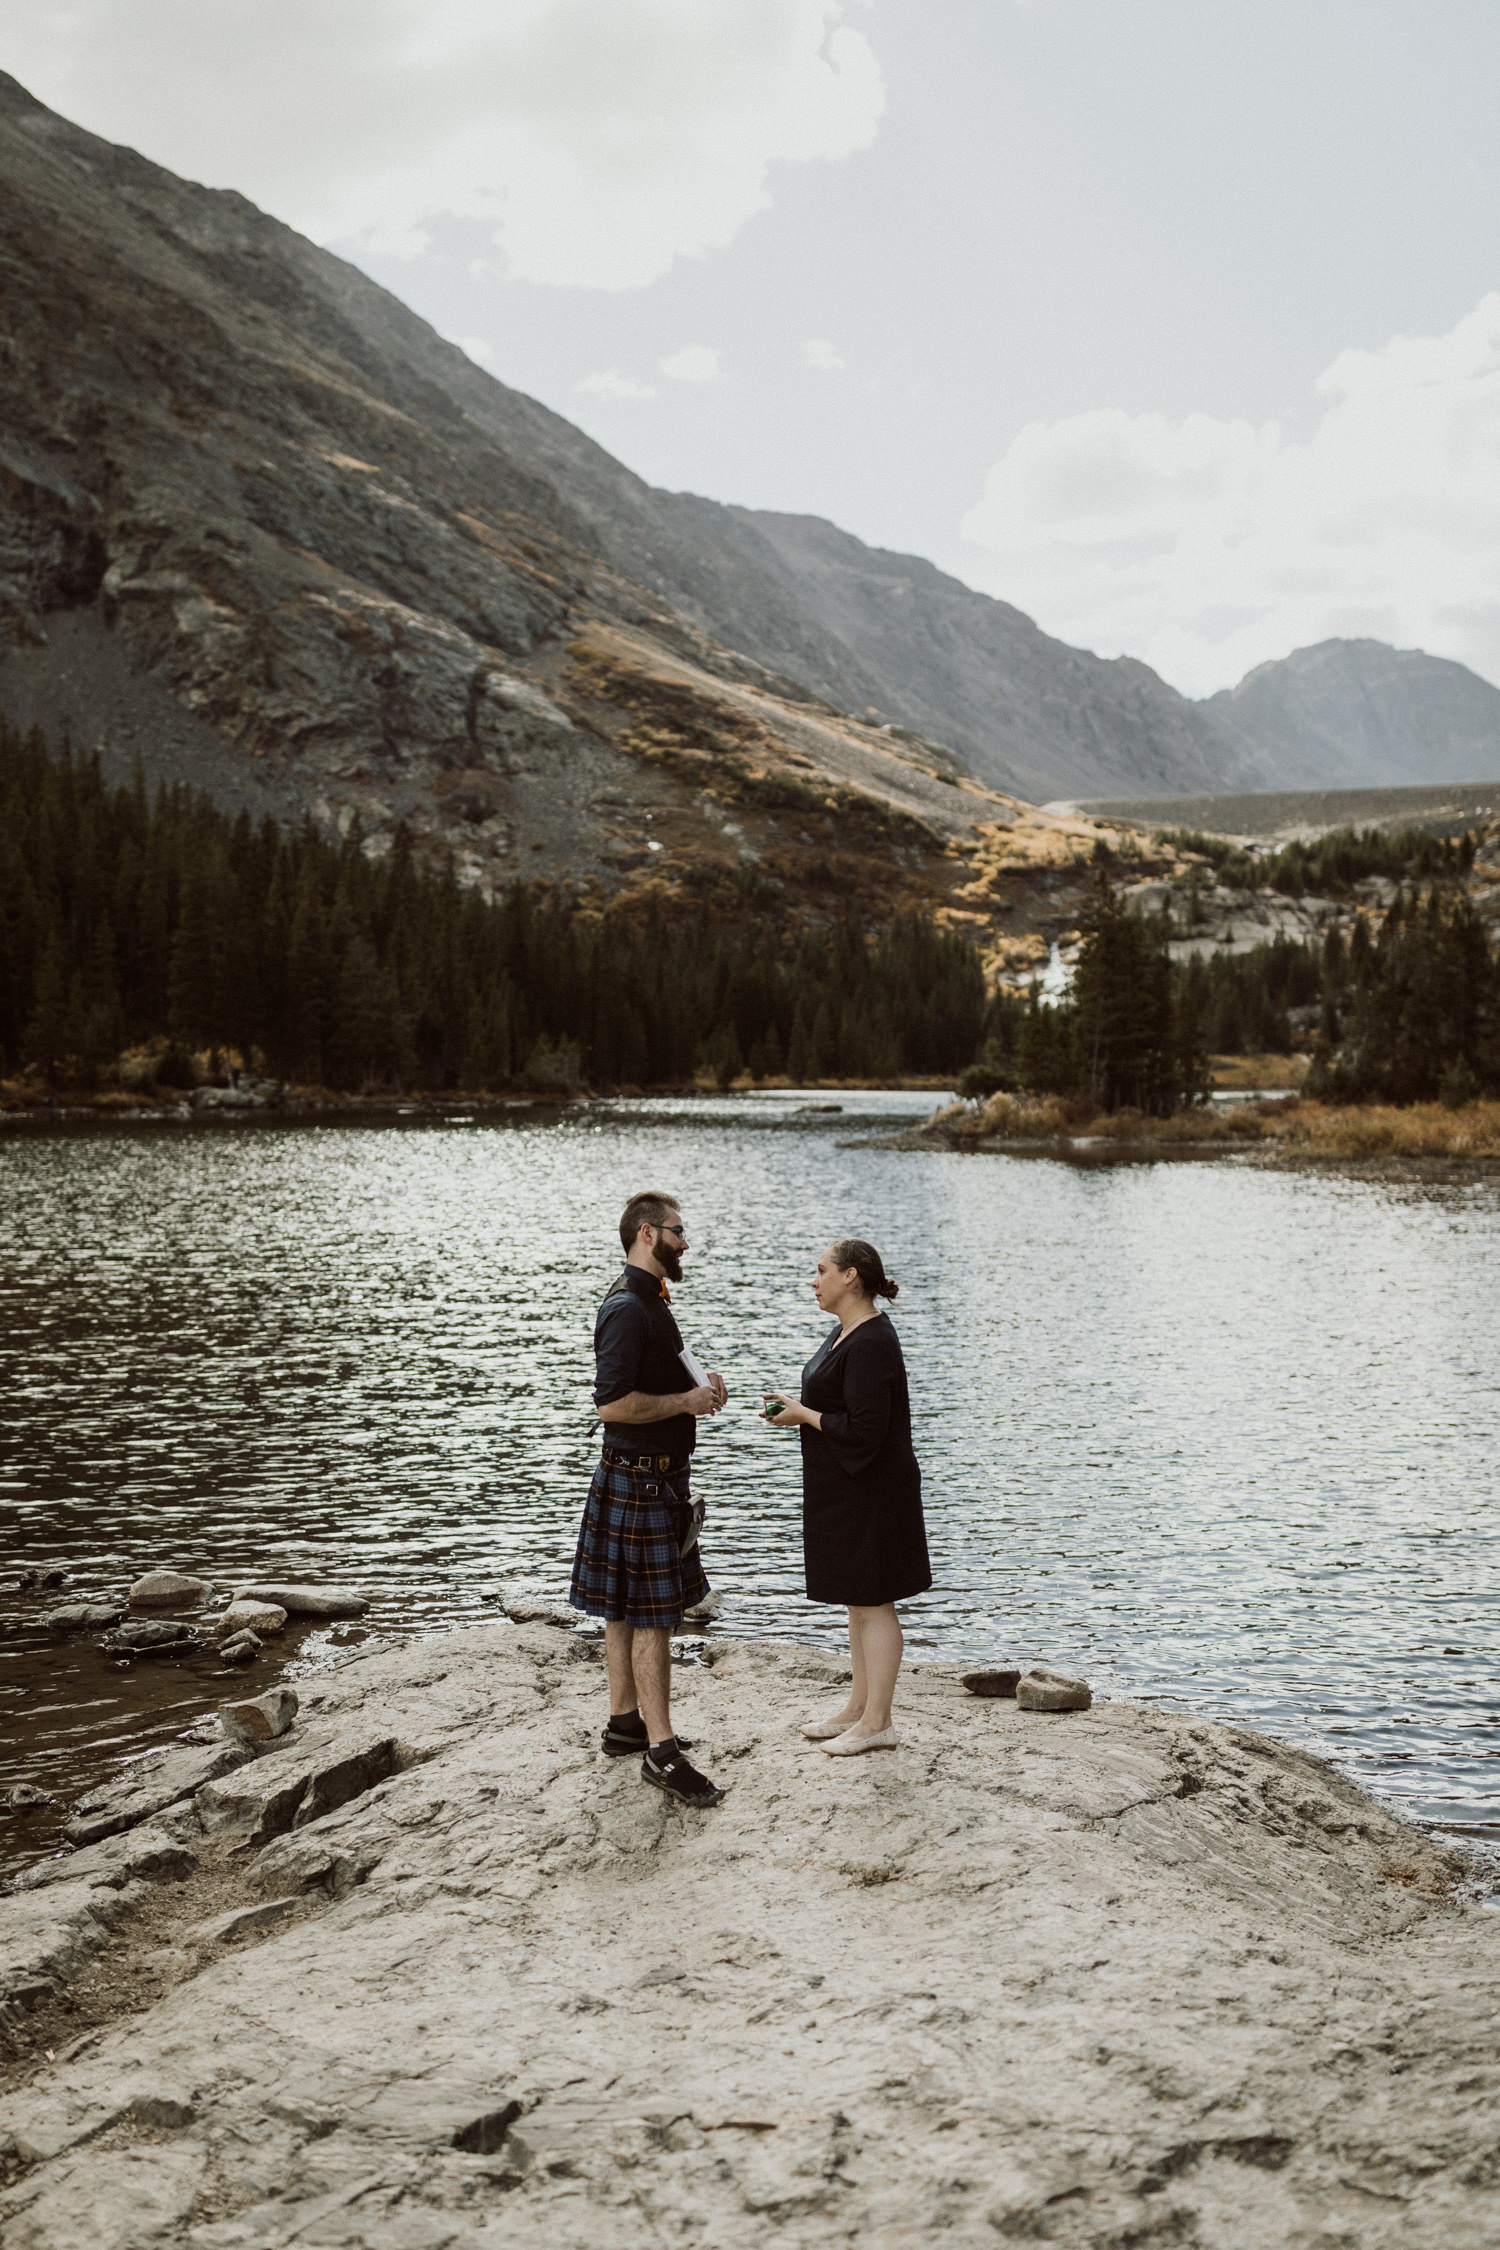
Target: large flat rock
(1098, 1979)
(148, 1786)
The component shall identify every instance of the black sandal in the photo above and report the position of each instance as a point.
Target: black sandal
(670, 1771)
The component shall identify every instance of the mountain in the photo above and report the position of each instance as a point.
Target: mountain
(263, 528)
(1359, 714)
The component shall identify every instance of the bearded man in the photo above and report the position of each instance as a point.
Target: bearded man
(638, 1564)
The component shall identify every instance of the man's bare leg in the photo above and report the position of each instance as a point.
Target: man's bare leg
(651, 1662)
(622, 1691)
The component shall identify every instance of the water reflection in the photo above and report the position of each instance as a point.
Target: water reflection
(1202, 1432)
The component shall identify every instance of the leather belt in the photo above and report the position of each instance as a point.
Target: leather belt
(661, 1462)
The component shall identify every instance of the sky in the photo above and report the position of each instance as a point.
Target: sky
(1174, 322)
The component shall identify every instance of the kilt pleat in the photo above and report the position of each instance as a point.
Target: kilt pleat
(627, 1569)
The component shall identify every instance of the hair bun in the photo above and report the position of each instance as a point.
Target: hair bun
(868, 1266)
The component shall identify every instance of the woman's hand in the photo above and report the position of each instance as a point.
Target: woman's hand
(784, 1412)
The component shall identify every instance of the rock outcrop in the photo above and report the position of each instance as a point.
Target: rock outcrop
(440, 1976)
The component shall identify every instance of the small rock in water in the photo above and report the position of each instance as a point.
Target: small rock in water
(1042, 1689)
(26, 1797)
(243, 1648)
(41, 1577)
(250, 1617)
(709, 1607)
(85, 1617)
(307, 1601)
(262, 1719)
(992, 1683)
(167, 1586)
(151, 1633)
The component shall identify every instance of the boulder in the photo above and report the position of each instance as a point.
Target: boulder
(1042, 1689)
(992, 1683)
(85, 1617)
(152, 1634)
(262, 1719)
(250, 1617)
(167, 1586)
(702, 1612)
(307, 1601)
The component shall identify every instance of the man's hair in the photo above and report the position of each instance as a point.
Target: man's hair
(648, 1209)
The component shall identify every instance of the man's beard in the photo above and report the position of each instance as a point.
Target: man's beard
(669, 1258)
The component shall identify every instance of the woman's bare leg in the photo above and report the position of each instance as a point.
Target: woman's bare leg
(854, 1701)
(875, 1636)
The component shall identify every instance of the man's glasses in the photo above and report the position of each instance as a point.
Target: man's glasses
(673, 1230)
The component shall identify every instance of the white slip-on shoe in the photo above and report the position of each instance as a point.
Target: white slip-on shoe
(824, 1730)
(850, 1745)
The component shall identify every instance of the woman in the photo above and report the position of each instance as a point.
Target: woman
(863, 1538)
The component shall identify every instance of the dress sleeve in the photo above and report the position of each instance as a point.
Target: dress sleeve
(856, 1433)
(621, 1340)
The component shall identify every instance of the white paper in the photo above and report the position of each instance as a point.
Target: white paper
(695, 1367)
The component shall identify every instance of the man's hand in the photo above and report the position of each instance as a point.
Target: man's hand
(721, 1388)
(703, 1399)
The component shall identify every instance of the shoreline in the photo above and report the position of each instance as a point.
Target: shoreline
(1273, 1134)
(311, 1105)
(428, 1971)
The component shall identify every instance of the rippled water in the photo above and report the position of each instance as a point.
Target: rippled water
(1204, 1433)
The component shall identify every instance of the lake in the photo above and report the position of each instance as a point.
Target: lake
(1209, 1434)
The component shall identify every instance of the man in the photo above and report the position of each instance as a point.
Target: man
(638, 1565)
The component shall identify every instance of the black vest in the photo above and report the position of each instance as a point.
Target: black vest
(637, 1347)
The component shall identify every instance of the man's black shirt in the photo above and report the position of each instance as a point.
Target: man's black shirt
(637, 1347)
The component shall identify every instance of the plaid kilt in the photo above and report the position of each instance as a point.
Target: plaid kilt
(627, 1568)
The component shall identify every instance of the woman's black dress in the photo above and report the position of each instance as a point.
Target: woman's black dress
(863, 1538)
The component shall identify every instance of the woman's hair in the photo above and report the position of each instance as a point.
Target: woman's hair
(865, 1259)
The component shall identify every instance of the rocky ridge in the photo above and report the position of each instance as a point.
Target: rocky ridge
(428, 1973)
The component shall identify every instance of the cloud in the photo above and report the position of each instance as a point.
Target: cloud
(597, 141)
(1208, 546)
(822, 355)
(612, 384)
(695, 363)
